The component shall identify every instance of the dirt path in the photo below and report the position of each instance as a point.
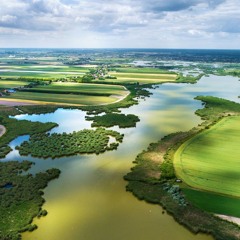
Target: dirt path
(2, 130)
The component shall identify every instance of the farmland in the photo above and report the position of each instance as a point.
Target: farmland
(11, 83)
(61, 99)
(70, 93)
(44, 71)
(142, 77)
(209, 162)
(79, 88)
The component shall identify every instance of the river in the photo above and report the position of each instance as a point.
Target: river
(89, 200)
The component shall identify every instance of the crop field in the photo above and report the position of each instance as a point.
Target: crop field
(137, 70)
(63, 87)
(216, 203)
(210, 160)
(142, 78)
(55, 71)
(11, 83)
(31, 74)
(62, 99)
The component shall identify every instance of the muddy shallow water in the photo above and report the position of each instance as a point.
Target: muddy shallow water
(89, 200)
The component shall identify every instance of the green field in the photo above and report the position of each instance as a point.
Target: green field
(70, 93)
(63, 99)
(142, 70)
(51, 68)
(142, 78)
(62, 87)
(31, 74)
(11, 83)
(43, 71)
(210, 160)
(216, 203)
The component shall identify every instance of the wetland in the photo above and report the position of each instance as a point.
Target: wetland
(88, 200)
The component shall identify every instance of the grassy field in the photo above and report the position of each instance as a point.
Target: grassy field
(62, 99)
(62, 87)
(54, 68)
(32, 74)
(210, 160)
(142, 78)
(215, 203)
(70, 93)
(142, 70)
(43, 71)
(11, 83)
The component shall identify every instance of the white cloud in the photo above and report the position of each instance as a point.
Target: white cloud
(100, 23)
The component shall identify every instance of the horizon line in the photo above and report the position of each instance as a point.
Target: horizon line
(121, 48)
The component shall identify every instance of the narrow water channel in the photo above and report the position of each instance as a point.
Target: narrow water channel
(89, 200)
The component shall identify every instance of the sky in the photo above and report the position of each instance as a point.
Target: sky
(213, 24)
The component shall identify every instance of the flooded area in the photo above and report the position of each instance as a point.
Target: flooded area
(89, 200)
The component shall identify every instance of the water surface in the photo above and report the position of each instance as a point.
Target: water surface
(89, 200)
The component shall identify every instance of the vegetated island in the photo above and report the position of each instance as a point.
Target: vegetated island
(44, 145)
(15, 128)
(21, 197)
(155, 179)
(114, 119)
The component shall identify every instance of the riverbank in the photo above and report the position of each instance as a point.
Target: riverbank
(153, 177)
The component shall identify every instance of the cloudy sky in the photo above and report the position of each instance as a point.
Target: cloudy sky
(120, 23)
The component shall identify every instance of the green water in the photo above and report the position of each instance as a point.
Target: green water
(89, 200)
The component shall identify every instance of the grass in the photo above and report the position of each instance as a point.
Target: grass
(11, 83)
(65, 87)
(216, 203)
(70, 94)
(142, 77)
(62, 99)
(210, 160)
(44, 71)
(136, 70)
(52, 68)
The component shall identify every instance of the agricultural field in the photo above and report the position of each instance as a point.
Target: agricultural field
(210, 160)
(78, 88)
(141, 77)
(216, 203)
(11, 83)
(61, 99)
(69, 94)
(44, 71)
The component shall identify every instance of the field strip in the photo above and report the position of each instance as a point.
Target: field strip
(209, 162)
(145, 74)
(45, 72)
(147, 79)
(21, 102)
